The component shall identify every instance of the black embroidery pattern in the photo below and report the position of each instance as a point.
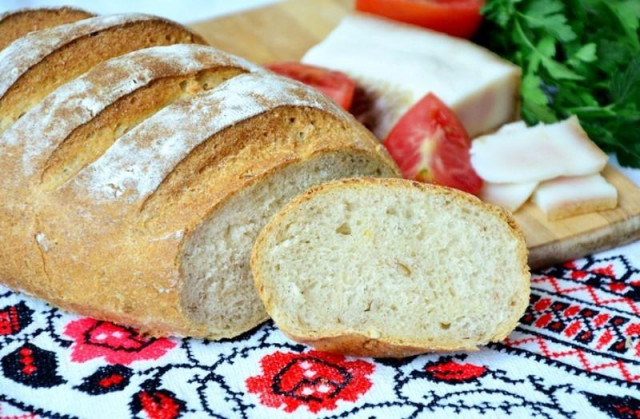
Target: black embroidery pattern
(32, 366)
(617, 407)
(106, 379)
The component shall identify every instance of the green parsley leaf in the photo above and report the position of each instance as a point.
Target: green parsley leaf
(626, 84)
(548, 15)
(586, 53)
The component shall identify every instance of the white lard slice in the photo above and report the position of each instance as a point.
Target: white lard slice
(510, 196)
(513, 127)
(399, 64)
(569, 196)
(536, 154)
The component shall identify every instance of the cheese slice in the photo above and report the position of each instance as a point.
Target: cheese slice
(510, 196)
(536, 154)
(398, 64)
(569, 196)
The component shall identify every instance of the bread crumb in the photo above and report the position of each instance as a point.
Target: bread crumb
(42, 242)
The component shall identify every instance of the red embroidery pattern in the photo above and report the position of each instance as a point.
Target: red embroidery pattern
(455, 372)
(616, 407)
(576, 353)
(21, 416)
(611, 282)
(314, 379)
(14, 318)
(585, 314)
(27, 361)
(117, 344)
(158, 404)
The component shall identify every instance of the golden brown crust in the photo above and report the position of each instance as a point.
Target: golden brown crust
(79, 49)
(358, 344)
(17, 23)
(37, 136)
(89, 141)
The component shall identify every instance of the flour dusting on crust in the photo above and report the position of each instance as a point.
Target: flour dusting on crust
(39, 132)
(136, 164)
(27, 51)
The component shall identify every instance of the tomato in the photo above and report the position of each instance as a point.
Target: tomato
(454, 17)
(338, 86)
(430, 145)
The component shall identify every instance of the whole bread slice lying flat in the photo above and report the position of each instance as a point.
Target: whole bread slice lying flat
(391, 268)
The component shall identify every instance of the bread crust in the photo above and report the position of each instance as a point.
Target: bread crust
(37, 63)
(17, 23)
(354, 343)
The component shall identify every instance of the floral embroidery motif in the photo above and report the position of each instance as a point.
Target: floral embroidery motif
(117, 344)
(157, 404)
(314, 379)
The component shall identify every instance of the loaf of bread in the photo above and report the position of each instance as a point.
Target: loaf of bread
(391, 268)
(17, 23)
(137, 190)
(39, 62)
(77, 123)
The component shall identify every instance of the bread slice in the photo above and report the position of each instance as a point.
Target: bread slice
(18, 23)
(39, 62)
(391, 268)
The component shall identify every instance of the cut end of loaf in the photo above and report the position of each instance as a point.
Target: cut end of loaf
(392, 268)
(218, 291)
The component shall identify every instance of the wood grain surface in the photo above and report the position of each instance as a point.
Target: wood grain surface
(285, 31)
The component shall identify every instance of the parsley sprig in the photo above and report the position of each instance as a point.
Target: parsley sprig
(579, 57)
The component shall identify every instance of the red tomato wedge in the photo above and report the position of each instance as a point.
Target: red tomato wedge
(430, 145)
(338, 86)
(455, 17)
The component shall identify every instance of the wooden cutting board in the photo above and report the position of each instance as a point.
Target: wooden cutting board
(285, 31)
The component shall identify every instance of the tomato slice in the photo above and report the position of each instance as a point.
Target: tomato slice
(455, 17)
(338, 86)
(430, 145)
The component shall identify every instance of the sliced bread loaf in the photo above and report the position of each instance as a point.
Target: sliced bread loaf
(153, 223)
(391, 268)
(17, 23)
(39, 62)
